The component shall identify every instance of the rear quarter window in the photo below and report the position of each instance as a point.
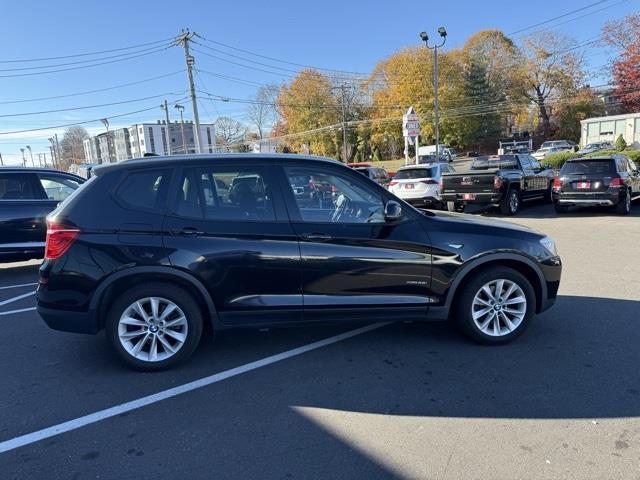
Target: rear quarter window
(144, 190)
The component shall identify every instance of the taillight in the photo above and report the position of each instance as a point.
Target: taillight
(392, 183)
(497, 182)
(59, 239)
(557, 183)
(441, 184)
(429, 182)
(616, 182)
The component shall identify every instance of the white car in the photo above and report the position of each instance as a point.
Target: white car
(419, 185)
(543, 152)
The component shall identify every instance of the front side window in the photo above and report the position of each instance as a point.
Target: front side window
(57, 187)
(144, 190)
(326, 196)
(225, 193)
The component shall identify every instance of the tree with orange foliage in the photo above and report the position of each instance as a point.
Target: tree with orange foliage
(624, 35)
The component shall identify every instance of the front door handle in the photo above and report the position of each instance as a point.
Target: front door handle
(316, 237)
(187, 232)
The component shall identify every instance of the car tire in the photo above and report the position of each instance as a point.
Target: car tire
(455, 207)
(624, 205)
(560, 208)
(173, 333)
(469, 304)
(511, 202)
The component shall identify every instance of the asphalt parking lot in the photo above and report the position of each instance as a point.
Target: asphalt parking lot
(388, 401)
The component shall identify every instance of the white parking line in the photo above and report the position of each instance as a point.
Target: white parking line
(85, 420)
(18, 286)
(15, 299)
(20, 310)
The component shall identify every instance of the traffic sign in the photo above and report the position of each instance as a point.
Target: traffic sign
(411, 123)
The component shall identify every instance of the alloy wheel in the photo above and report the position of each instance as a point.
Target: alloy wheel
(499, 307)
(513, 202)
(152, 329)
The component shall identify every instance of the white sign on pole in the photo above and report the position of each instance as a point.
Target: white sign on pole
(411, 124)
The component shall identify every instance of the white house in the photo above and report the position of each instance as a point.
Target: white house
(607, 129)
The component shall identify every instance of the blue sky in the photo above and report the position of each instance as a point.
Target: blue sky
(350, 36)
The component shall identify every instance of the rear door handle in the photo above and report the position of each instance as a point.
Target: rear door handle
(188, 232)
(316, 237)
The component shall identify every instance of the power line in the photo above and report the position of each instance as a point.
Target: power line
(88, 53)
(599, 2)
(86, 66)
(85, 107)
(88, 92)
(84, 122)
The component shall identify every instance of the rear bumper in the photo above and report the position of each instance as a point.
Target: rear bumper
(68, 321)
(423, 202)
(587, 199)
(480, 198)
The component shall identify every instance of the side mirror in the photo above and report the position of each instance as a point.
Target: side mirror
(392, 211)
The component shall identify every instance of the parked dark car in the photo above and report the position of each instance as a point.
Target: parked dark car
(377, 174)
(162, 259)
(502, 181)
(27, 196)
(606, 181)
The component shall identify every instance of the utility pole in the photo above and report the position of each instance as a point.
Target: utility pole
(181, 109)
(24, 160)
(190, 60)
(436, 106)
(31, 154)
(166, 114)
(58, 151)
(342, 88)
(1, 161)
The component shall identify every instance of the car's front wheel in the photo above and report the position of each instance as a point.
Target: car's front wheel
(496, 306)
(154, 326)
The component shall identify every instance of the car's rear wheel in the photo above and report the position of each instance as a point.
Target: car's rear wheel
(455, 207)
(154, 326)
(495, 306)
(624, 205)
(510, 203)
(560, 208)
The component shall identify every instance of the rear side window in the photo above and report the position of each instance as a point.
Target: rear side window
(589, 167)
(225, 193)
(58, 187)
(416, 173)
(144, 190)
(486, 163)
(20, 186)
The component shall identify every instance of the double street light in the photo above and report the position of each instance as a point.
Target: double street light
(425, 38)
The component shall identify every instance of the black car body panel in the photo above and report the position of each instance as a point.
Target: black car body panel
(27, 196)
(285, 266)
(490, 178)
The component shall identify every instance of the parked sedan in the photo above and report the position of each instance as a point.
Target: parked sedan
(541, 153)
(595, 147)
(159, 263)
(419, 185)
(27, 196)
(607, 181)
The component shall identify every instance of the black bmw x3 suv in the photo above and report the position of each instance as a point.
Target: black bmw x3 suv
(152, 250)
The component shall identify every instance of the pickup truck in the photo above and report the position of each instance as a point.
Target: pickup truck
(502, 181)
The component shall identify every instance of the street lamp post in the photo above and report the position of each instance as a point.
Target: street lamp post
(24, 160)
(436, 106)
(168, 134)
(31, 154)
(181, 109)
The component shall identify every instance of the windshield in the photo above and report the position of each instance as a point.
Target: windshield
(588, 167)
(486, 163)
(415, 173)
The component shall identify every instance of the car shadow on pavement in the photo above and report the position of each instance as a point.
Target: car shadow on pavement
(579, 360)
